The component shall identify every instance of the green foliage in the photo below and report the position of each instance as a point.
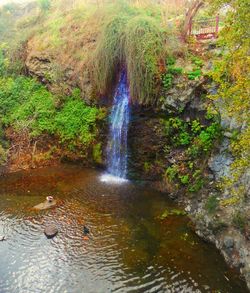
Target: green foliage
(171, 172)
(167, 80)
(184, 179)
(172, 212)
(76, 121)
(212, 204)
(131, 39)
(197, 182)
(208, 135)
(26, 104)
(196, 61)
(97, 153)
(194, 74)
(231, 72)
(4, 62)
(175, 70)
(196, 126)
(170, 60)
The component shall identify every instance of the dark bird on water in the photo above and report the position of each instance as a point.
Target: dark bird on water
(86, 230)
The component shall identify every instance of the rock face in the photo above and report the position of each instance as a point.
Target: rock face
(50, 231)
(146, 145)
(220, 162)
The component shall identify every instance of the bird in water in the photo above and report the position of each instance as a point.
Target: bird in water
(85, 230)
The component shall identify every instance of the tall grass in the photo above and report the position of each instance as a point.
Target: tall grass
(132, 39)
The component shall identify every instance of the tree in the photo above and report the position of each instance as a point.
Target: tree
(232, 74)
(193, 9)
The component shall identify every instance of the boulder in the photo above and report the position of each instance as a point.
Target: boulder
(50, 231)
(45, 205)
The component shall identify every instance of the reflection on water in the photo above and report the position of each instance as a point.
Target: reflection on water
(130, 249)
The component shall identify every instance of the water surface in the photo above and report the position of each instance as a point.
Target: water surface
(130, 248)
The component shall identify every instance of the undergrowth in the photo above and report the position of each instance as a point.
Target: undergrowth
(26, 104)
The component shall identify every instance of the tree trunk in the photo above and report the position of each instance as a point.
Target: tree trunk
(195, 6)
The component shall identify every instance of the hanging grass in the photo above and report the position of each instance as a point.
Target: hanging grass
(132, 39)
(144, 48)
(109, 53)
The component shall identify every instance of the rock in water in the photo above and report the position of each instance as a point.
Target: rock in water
(50, 231)
(2, 238)
(45, 205)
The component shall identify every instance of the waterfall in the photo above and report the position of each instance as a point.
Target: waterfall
(117, 151)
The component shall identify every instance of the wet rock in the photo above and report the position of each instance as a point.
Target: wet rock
(228, 242)
(45, 205)
(50, 231)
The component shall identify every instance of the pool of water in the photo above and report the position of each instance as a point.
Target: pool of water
(130, 249)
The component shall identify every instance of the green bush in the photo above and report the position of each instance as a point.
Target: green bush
(171, 172)
(184, 179)
(170, 60)
(194, 74)
(167, 80)
(26, 103)
(75, 121)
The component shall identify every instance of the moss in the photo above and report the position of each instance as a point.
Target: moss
(172, 212)
(3, 156)
(97, 153)
(230, 201)
(212, 204)
(239, 220)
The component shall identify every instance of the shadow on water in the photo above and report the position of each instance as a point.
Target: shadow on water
(130, 249)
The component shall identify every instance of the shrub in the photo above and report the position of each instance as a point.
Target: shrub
(184, 179)
(26, 103)
(76, 121)
(196, 73)
(171, 172)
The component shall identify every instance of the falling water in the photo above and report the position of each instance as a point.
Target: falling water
(117, 152)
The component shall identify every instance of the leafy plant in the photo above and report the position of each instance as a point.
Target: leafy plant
(167, 80)
(194, 74)
(184, 179)
(171, 172)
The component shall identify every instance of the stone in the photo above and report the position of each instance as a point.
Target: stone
(45, 205)
(50, 231)
(2, 238)
(228, 242)
(220, 163)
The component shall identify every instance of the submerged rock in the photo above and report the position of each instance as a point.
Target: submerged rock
(50, 231)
